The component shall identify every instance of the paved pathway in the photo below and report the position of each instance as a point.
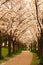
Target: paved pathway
(24, 58)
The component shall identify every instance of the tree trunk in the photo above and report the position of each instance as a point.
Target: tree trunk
(9, 47)
(39, 48)
(13, 46)
(31, 46)
(5, 44)
(40, 45)
(9, 43)
(34, 46)
(40, 42)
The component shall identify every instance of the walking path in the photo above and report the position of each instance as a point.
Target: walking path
(24, 58)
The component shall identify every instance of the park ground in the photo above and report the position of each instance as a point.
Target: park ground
(22, 58)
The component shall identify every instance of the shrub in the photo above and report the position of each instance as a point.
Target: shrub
(41, 60)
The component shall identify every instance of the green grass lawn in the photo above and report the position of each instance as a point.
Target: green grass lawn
(35, 60)
(5, 54)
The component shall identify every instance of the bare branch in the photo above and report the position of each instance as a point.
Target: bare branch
(5, 2)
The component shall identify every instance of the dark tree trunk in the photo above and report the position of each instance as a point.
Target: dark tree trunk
(42, 42)
(31, 46)
(39, 48)
(9, 47)
(9, 43)
(13, 46)
(17, 44)
(34, 46)
(40, 45)
(5, 44)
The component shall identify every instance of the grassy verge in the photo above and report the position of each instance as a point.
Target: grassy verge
(35, 60)
(5, 53)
